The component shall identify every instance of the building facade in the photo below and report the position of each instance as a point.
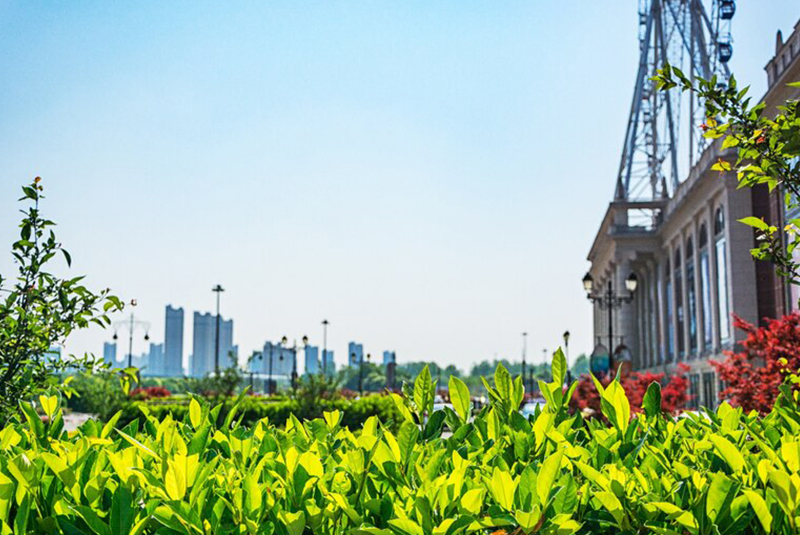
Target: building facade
(173, 342)
(155, 361)
(204, 344)
(692, 261)
(328, 364)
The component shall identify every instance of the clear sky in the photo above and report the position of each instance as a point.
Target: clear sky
(429, 176)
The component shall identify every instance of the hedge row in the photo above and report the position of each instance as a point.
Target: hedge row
(251, 410)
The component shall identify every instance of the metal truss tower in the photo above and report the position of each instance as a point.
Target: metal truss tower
(663, 141)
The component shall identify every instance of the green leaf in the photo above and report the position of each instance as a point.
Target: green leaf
(755, 222)
(559, 367)
(459, 397)
(195, 413)
(405, 526)
(503, 488)
(422, 391)
(472, 501)
(651, 403)
(729, 453)
(122, 511)
(503, 384)
(547, 476)
(760, 507)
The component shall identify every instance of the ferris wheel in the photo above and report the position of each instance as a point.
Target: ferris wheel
(663, 141)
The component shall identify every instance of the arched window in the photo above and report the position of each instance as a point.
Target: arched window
(679, 303)
(691, 297)
(670, 331)
(705, 287)
(721, 250)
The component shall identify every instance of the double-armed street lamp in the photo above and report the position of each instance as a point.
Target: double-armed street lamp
(131, 325)
(293, 349)
(610, 301)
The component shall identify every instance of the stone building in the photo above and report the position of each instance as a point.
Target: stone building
(692, 260)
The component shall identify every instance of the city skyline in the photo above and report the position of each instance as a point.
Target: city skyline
(419, 189)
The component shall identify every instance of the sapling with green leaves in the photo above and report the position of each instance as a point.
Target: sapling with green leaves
(39, 309)
(767, 151)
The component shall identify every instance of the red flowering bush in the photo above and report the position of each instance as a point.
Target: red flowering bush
(150, 392)
(753, 375)
(674, 394)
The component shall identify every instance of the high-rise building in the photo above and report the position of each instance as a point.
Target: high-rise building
(110, 353)
(312, 360)
(155, 361)
(204, 344)
(328, 364)
(388, 357)
(355, 354)
(173, 342)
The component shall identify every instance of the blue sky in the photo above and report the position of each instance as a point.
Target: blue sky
(427, 176)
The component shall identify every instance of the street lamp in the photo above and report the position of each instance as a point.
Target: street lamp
(325, 346)
(284, 341)
(218, 289)
(566, 353)
(609, 300)
(524, 347)
(361, 373)
(131, 325)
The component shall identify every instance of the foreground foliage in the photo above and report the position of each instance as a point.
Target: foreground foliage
(553, 473)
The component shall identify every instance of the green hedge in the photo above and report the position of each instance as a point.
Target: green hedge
(251, 410)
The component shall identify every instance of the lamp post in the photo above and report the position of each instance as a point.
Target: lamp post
(524, 347)
(609, 300)
(566, 354)
(218, 289)
(361, 373)
(131, 325)
(325, 347)
(284, 341)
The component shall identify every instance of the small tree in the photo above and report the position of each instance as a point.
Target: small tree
(39, 309)
(752, 376)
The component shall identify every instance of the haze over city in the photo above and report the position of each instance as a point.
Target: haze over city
(429, 178)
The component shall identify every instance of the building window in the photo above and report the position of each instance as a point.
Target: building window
(691, 297)
(705, 288)
(679, 304)
(670, 313)
(709, 397)
(723, 306)
(694, 391)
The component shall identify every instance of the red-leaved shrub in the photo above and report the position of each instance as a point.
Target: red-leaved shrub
(674, 393)
(753, 375)
(150, 392)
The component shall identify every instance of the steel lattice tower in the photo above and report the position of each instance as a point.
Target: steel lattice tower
(663, 142)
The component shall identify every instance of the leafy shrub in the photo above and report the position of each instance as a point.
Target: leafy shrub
(553, 473)
(251, 410)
